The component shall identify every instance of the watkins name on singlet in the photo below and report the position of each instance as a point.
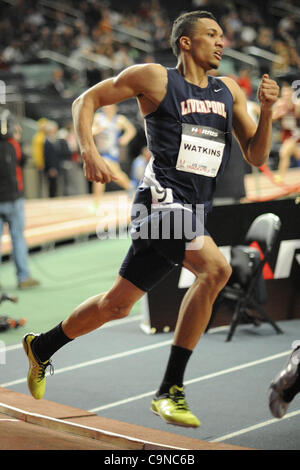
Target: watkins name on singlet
(203, 106)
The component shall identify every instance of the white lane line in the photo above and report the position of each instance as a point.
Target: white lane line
(197, 379)
(123, 402)
(13, 347)
(211, 331)
(122, 321)
(76, 428)
(255, 426)
(8, 419)
(130, 352)
(240, 367)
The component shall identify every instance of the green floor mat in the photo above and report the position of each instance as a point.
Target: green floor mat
(68, 275)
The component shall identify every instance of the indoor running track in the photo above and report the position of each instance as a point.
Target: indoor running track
(115, 371)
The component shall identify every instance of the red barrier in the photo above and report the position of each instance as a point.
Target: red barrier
(286, 189)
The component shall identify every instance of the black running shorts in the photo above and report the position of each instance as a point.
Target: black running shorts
(159, 234)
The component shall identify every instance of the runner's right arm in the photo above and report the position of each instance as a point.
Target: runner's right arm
(135, 81)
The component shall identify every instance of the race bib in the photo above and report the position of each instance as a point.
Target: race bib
(201, 150)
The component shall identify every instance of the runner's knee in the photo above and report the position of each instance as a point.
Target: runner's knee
(221, 273)
(216, 275)
(112, 309)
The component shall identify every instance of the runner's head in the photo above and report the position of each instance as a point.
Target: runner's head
(199, 34)
(110, 110)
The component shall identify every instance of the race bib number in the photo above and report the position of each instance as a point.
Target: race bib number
(201, 150)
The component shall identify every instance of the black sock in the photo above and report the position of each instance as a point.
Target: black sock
(46, 344)
(178, 360)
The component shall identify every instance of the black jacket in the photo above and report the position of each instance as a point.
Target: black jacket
(9, 168)
(55, 153)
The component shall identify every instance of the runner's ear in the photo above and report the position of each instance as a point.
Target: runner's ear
(185, 43)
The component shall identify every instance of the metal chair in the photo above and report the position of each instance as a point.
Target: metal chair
(246, 287)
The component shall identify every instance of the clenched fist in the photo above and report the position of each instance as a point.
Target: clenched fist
(268, 92)
(95, 168)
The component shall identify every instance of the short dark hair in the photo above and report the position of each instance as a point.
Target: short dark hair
(183, 25)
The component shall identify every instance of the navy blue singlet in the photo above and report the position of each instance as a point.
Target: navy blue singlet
(189, 136)
(186, 114)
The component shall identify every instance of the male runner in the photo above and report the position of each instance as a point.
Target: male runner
(188, 119)
(112, 131)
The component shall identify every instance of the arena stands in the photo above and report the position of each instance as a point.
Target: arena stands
(50, 52)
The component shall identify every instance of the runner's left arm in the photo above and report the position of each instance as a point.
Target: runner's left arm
(255, 140)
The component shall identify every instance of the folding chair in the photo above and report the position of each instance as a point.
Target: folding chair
(246, 287)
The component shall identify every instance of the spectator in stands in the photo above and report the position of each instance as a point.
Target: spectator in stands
(287, 26)
(38, 142)
(282, 64)
(251, 21)
(12, 53)
(54, 32)
(12, 199)
(121, 58)
(44, 38)
(244, 80)
(287, 111)
(287, 43)
(51, 153)
(72, 142)
(265, 38)
(57, 86)
(67, 166)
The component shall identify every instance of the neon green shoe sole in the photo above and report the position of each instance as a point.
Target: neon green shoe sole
(173, 409)
(36, 379)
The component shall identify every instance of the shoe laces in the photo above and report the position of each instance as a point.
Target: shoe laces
(178, 398)
(42, 369)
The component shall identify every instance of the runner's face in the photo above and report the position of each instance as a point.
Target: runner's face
(207, 43)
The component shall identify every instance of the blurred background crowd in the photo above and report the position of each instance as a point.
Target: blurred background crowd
(51, 51)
